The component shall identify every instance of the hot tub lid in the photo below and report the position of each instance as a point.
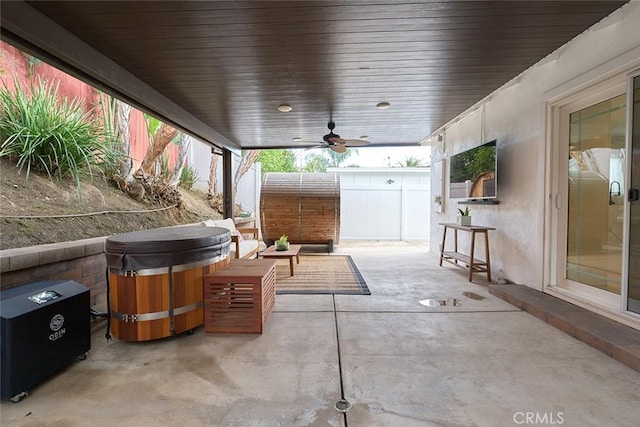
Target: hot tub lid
(162, 247)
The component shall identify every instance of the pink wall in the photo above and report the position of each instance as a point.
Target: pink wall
(16, 65)
(139, 137)
(13, 64)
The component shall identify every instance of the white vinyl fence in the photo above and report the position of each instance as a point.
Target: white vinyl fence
(375, 203)
(384, 204)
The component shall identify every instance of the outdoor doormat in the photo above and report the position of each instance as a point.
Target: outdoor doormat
(320, 274)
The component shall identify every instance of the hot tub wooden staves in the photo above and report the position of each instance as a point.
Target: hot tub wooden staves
(155, 279)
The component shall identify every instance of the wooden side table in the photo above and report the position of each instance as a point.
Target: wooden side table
(240, 298)
(453, 257)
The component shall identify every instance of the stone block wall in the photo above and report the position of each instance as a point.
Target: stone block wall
(82, 261)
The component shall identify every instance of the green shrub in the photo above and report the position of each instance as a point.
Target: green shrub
(41, 132)
(188, 177)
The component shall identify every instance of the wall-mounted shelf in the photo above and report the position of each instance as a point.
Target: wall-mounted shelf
(479, 202)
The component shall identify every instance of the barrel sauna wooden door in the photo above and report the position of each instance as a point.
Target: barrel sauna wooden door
(304, 206)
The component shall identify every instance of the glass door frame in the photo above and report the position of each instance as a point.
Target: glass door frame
(627, 208)
(557, 160)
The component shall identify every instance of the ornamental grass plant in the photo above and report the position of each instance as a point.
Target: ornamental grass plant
(41, 132)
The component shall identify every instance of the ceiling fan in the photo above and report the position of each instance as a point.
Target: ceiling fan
(337, 144)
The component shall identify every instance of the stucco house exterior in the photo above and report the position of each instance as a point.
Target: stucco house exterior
(567, 130)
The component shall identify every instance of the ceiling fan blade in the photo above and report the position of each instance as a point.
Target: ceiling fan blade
(337, 140)
(355, 142)
(338, 148)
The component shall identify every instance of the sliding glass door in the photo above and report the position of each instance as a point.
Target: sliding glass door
(595, 191)
(595, 211)
(589, 157)
(633, 275)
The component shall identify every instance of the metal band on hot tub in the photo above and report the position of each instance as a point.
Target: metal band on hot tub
(165, 270)
(157, 315)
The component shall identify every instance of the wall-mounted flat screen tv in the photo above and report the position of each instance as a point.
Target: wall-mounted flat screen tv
(473, 173)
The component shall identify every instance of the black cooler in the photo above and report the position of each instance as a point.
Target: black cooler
(44, 327)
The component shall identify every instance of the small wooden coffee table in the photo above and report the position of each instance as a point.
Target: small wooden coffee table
(291, 253)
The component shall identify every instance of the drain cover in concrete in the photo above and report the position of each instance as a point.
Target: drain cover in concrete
(440, 302)
(473, 295)
(342, 405)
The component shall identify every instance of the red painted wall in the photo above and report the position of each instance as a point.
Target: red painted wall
(139, 137)
(15, 64)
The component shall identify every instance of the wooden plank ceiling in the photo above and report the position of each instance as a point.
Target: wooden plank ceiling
(231, 64)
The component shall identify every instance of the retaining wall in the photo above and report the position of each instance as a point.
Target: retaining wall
(82, 261)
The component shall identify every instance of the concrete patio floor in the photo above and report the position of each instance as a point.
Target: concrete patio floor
(399, 363)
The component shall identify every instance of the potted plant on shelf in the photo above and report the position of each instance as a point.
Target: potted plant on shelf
(282, 244)
(464, 218)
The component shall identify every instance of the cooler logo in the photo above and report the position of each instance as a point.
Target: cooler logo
(56, 325)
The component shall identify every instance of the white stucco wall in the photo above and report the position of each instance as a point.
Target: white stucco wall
(516, 115)
(248, 188)
(200, 160)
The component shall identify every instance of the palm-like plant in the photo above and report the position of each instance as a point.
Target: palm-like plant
(337, 159)
(160, 135)
(315, 163)
(411, 162)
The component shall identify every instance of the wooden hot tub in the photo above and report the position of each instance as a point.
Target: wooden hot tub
(155, 279)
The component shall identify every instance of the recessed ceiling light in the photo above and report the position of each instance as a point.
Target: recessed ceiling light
(383, 105)
(297, 139)
(365, 137)
(285, 108)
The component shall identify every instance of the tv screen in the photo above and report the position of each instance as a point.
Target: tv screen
(472, 173)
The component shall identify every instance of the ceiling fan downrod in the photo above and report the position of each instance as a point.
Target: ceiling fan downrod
(327, 138)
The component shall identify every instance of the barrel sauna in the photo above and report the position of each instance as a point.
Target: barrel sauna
(155, 279)
(304, 206)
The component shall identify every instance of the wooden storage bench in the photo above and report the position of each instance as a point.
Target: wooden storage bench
(240, 298)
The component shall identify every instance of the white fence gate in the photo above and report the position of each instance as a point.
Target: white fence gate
(384, 204)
